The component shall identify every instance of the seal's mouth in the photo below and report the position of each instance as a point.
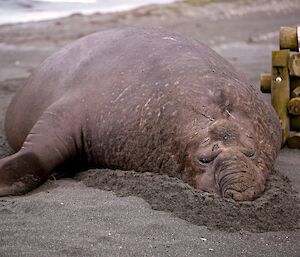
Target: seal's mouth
(238, 178)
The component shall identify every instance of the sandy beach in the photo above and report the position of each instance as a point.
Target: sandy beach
(122, 213)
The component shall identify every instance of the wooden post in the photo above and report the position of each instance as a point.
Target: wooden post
(288, 38)
(280, 89)
(294, 141)
(294, 106)
(296, 92)
(294, 65)
(265, 82)
(295, 123)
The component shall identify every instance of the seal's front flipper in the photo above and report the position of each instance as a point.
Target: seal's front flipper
(53, 140)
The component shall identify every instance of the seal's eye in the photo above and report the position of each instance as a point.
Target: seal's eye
(250, 154)
(206, 160)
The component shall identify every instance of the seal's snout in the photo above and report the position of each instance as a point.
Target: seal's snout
(237, 177)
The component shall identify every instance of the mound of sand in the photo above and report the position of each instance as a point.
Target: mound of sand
(277, 209)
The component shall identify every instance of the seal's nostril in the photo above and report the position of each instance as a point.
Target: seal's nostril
(235, 195)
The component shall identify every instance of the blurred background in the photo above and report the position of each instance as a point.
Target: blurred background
(33, 10)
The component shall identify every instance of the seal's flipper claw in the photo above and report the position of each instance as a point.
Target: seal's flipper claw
(20, 173)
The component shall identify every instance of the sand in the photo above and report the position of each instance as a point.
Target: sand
(122, 213)
(276, 210)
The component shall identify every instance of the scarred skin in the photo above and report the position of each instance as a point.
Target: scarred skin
(145, 100)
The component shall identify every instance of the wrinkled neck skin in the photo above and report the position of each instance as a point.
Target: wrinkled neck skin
(228, 159)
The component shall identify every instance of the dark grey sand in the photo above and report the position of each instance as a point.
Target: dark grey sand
(147, 214)
(65, 218)
(276, 210)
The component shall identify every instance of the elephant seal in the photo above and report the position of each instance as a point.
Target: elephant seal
(143, 100)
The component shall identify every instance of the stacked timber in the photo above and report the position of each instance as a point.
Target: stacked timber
(284, 85)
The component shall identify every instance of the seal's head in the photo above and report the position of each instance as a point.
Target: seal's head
(225, 162)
